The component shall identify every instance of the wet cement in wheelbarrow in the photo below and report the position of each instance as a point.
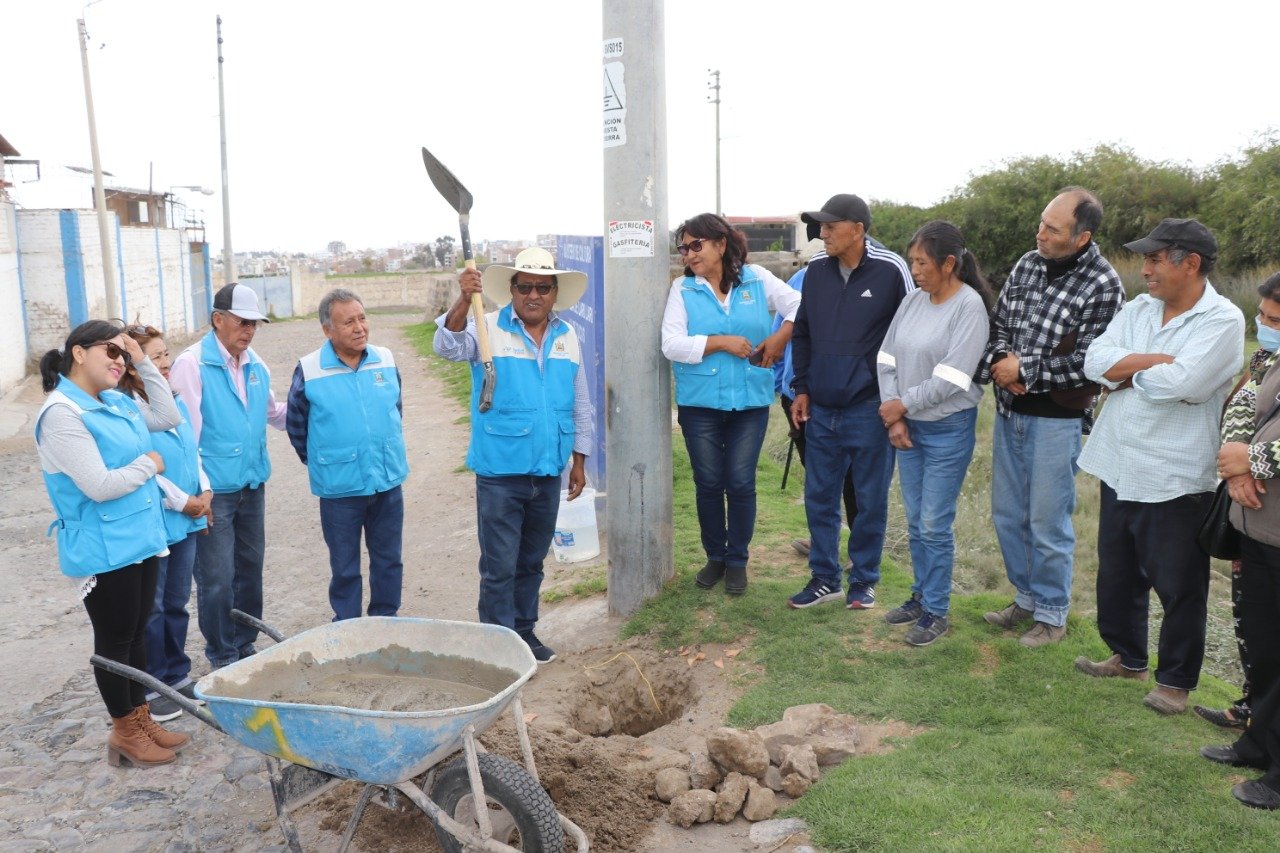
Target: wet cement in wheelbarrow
(392, 679)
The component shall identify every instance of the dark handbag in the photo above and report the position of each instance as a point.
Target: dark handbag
(1081, 398)
(1216, 536)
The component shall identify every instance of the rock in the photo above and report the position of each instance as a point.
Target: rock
(594, 719)
(703, 772)
(774, 832)
(241, 766)
(733, 793)
(670, 783)
(773, 778)
(692, 807)
(660, 758)
(795, 786)
(138, 798)
(739, 751)
(761, 803)
(800, 759)
(834, 737)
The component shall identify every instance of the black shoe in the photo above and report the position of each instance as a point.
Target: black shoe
(1256, 795)
(1228, 755)
(541, 653)
(163, 708)
(189, 690)
(710, 574)
(735, 580)
(1231, 718)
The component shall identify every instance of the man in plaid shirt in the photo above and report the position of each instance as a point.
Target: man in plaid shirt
(1057, 299)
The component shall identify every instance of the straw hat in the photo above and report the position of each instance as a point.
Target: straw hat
(497, 278)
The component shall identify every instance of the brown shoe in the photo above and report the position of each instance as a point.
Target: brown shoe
(1166, 700)
(1109, 668)
(128, 741)
(160, 736)
(1009, 618)
(1042, 634)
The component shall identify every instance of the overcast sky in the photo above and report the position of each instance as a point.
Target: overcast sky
(329, 103)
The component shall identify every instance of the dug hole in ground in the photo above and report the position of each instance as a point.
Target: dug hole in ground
(605, 718)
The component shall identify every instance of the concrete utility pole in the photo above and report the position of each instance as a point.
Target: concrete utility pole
(637, 270)
(715, 99)
(228, 254)
(99, 193)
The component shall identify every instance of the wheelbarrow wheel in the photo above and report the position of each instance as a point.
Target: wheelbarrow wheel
(520, 811)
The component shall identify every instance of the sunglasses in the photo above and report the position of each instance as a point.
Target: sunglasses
(691, 246)
(114, 350)
(242, 322)
(526, 289)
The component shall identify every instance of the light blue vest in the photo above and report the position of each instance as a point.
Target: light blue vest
(98, 537)
(720, 380)
(530, 428)
(355, 441)
(177, 447)
(233, 435)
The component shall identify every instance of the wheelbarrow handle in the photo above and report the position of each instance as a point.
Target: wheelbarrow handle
(245, 619)
(157, 685)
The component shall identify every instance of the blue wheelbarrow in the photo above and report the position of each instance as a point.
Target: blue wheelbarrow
(311, 748)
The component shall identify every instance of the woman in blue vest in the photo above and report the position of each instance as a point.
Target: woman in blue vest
(99, 468)
(716, 332)
(187, 511)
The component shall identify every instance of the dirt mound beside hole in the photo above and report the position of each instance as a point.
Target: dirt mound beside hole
(641, 691)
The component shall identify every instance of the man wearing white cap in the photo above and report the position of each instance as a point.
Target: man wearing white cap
(541, 417)
(228, 391)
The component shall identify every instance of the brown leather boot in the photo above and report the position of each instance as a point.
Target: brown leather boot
(129, 741)
(162, 737)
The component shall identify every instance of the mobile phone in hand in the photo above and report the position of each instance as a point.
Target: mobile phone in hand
(757, 356)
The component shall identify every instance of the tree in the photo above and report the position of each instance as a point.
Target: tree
(444, 249)
(895, 224)
(1243, 208)
(337, 247)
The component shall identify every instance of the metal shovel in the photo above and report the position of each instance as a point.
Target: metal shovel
(457, 196)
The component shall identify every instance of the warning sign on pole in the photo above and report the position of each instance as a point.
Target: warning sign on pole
(615, 105)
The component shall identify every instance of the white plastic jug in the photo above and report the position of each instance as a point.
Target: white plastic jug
(576, 537)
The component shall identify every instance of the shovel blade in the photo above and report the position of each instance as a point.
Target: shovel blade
(446, 184)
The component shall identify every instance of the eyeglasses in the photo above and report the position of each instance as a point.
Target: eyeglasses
(691, 246)
(114, 350)
(526, 289)
(240, 321)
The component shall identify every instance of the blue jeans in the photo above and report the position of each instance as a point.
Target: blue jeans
(229, 573)
(381, 517)
(1033, 493)
(515, 519)
(166, 634)
(724, 448)
(838, 440)
(931, 473)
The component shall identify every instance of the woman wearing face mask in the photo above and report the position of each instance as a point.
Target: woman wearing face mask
(187, 513)
(1250, 463)
(99, 468)
(716, 332)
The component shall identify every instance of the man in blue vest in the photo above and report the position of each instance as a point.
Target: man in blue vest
(540, 418)
(849, 299)
(227, 388)
(344, 421)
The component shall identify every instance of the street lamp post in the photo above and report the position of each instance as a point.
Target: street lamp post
(99, 192)
(228, 254)
(715, 99)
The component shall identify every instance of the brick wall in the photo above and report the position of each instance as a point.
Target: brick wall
(429, 292)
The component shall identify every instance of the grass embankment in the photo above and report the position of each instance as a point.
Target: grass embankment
(1018, 751)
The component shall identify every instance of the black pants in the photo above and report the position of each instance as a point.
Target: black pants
(119, 607)
(1259, 609)
(1145, 546)
(797, 435)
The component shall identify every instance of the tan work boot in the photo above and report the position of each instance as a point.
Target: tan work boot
(129, 741)
(1042, 634)
(1008, 618)
(162, 737)
(1166, 700)
(1109, 668)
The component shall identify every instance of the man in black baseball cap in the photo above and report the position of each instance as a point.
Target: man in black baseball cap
(844, 207)
(1179, 233)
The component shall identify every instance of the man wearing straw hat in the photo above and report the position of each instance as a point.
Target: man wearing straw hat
(540, 418)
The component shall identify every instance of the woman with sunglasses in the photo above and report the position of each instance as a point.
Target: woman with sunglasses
(188, 511)
(716, 332)
(99, 468)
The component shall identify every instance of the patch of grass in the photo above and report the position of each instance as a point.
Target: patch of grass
(1017, 750)
(594, 583)
(456, 375)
